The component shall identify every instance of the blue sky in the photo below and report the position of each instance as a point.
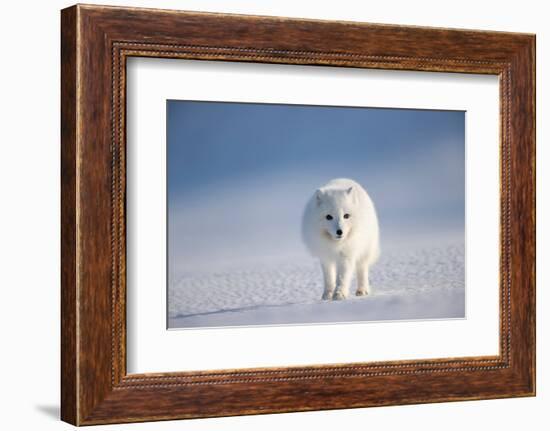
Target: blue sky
(240, 173)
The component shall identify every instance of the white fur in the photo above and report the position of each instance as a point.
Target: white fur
(355, 249)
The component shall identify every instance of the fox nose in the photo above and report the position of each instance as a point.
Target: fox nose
(339, 232)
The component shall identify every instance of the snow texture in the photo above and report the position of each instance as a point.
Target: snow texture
(425, 282)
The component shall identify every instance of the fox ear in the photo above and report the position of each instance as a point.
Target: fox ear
(351, 193)
(319, 196)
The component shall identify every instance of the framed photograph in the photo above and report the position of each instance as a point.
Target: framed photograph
(264, 214)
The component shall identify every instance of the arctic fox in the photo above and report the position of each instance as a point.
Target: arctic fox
(340, 227)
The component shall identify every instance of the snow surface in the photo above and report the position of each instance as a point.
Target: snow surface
(426, 281)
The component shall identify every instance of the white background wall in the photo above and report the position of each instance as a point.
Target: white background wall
(29, 214)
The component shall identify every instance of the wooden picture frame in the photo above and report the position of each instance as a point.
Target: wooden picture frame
(95, 43)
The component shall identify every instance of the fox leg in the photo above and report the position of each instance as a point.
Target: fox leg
(329, 275)
(343, 280)
(362, 279)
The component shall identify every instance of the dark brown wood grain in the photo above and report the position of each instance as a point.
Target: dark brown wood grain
(95, 43)
(68, 217)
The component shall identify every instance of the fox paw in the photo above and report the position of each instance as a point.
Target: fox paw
(338, 296)
(327, 296)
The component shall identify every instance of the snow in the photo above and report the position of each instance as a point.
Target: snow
(414, 281)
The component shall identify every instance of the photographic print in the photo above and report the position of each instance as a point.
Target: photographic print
(298, 214)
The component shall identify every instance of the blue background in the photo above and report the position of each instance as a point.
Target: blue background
(240, 174)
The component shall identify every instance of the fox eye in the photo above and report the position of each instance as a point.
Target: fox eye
(346, 215)
(328, 217)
